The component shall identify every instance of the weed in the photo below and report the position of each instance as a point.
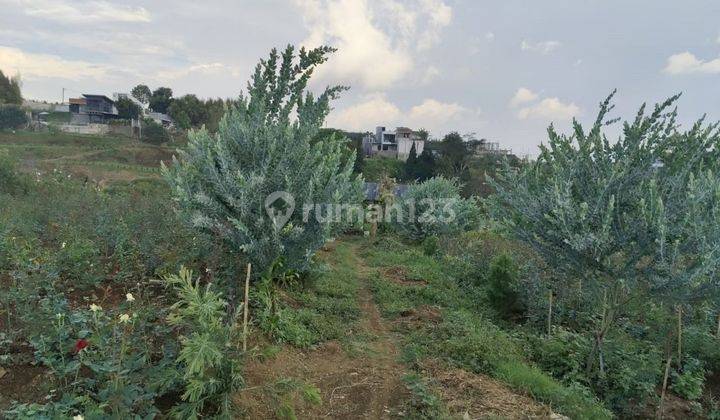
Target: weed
(424, 403)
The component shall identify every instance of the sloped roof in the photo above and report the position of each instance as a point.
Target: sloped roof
(88, 95)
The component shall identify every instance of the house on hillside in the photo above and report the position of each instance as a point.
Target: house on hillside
(483, 147)
(92, 109)
(396, 144)
(159, 118)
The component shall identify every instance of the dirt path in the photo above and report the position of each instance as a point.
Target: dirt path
(359, 379)
(361, 376)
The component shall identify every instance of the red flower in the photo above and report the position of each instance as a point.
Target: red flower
(80, 345)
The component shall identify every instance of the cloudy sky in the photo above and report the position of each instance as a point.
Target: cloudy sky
(501, 69)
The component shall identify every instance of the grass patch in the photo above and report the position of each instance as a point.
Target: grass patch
(326, 306)
(62, 139)
(575, 402)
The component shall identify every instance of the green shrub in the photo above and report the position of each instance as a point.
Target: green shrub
(435, 208)
(76, 262)
(702, 345)
(12, 116)
(633, 368)
(689, 383)
(377, 168)
(502, 285)
(209, 349)
(424, 403)
(54, 129)
(154, 133)
(430, 245)
(562, 354)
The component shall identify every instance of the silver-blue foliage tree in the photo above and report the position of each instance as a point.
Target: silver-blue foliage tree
(630, 223)
(268, 143)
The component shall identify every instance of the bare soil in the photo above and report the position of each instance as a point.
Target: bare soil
(22, 383)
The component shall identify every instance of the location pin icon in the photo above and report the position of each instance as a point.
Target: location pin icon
(279, 207)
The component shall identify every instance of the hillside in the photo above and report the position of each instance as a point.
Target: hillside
(380, 327)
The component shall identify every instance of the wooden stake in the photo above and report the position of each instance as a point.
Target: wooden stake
(246, 308)
(550, 311)
(679, 344)
(664, 388)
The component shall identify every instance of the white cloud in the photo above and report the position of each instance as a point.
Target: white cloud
(375, 109)
(542, 47)
(550, 109)
(371, 111)
(431, 73)
(375, 50)
(115, 43)
(433, 113)
(490, 36)
(439, 16)
(687, 63)
(365, 53)
(84, 12)
(201, 68)
(31, 66)
(523, 95)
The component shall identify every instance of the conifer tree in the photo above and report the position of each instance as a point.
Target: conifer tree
(425, 166)
(267, 143)
(411, 164)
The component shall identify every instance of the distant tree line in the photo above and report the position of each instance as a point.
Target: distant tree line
(452, 157)
(187, 111)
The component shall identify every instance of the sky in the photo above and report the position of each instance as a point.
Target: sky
(503, 70)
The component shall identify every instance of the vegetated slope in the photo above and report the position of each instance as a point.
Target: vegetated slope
(361, 371)
(444, 327)
(100, 159)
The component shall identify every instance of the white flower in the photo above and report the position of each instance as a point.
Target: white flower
(78, 417)
(129, 297)
(124, 318)
(207, 270)
(63, 245)
(95, 307)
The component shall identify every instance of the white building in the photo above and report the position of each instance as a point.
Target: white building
(396, 144)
